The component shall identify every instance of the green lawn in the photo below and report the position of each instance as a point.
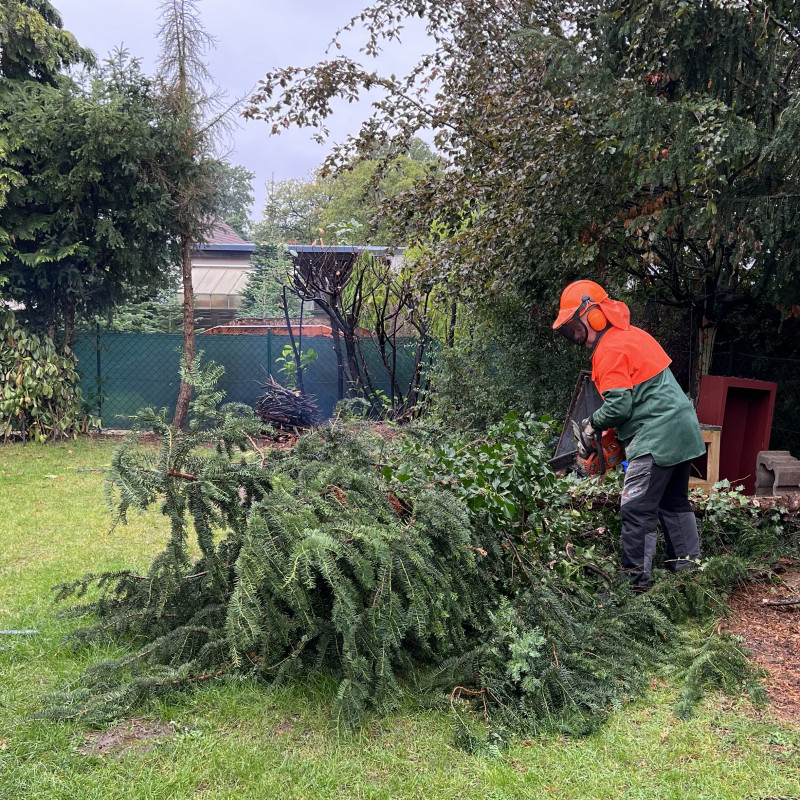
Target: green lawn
(236, 739)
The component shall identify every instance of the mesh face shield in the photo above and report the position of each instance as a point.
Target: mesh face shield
(574, 330)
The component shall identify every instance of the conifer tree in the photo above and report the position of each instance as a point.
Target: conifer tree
(263, 293)
(84, 212)
(189, 96)
(467, 580)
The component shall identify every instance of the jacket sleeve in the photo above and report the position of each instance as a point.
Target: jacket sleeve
(616, 409)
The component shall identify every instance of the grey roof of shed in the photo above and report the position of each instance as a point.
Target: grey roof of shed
(223, 238)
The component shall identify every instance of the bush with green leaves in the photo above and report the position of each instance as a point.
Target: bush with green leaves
(511, 361)
(39, 395)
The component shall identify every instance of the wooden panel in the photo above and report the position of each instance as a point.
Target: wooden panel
(743, 408)
(712, 436)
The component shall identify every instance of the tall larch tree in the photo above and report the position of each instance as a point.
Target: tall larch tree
(186, 84)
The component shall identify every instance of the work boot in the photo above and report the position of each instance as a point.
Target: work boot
(681, 539)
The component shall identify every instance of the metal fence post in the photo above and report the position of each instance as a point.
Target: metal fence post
(269, 352)
(99, 376)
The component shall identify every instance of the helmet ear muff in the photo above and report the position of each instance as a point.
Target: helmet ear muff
(596, 319)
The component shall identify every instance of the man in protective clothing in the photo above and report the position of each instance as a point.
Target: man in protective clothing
(654, 420)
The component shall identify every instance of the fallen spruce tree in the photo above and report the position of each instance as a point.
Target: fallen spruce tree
(468, 569)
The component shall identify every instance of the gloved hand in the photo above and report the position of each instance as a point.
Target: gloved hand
(584, 434)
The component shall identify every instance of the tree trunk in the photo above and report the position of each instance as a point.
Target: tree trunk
(69, 324)
(707, 335)
(353, 368)
(185, 391)
(451, 331)
(340, 366)
(296, 351)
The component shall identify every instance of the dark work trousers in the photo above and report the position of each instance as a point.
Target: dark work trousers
(653, 494)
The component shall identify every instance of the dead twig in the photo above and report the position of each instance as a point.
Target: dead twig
(481, 693)
(786, 601)
(258, 450)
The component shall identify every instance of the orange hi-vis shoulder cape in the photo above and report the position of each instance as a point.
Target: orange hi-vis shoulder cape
(641, 397)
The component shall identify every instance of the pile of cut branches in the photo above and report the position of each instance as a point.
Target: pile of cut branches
(284, 408)
(459, 566)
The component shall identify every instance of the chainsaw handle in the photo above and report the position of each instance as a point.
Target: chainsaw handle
(601, 456)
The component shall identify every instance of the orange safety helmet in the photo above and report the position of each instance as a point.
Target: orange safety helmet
(577, 299)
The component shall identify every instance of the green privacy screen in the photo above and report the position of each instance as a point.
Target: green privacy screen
(134, 370)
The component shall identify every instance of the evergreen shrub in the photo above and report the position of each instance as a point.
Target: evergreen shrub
(39, 395)
(507, 361)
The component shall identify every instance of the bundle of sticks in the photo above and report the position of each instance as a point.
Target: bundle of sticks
(286, 408)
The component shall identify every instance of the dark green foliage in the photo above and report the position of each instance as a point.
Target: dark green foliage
(33, 44)
(86, 219)
(569, 642)
(649, 145)
(560, 657)
(39, 394)
(160, 314)
(563, 662)
(717, 662)
(735, 524)
(511, 361)
(263, 294)
(468, 566)
(315, 569)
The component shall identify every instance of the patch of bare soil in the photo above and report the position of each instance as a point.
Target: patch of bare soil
(772, 634)
(139, 735)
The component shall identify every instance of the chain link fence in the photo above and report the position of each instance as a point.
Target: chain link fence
(124, 372)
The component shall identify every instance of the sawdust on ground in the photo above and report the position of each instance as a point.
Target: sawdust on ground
(772, 635)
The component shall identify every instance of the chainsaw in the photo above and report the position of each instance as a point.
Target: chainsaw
(591, 456)
(594, 455)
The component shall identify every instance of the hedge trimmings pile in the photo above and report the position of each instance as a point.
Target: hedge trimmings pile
(467, 567)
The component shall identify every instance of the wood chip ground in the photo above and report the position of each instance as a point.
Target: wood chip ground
(772, 634)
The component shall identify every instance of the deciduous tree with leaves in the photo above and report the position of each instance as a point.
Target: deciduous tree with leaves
(649, 145)
(235, 197)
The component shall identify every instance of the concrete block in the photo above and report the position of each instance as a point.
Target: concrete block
(777, 472)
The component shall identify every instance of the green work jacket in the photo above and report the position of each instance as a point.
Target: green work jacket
(654, 417)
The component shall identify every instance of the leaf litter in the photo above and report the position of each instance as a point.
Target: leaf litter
(772, 635)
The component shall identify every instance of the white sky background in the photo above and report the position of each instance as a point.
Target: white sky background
(253, 36)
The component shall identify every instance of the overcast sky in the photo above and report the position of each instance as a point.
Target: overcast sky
(253, 36)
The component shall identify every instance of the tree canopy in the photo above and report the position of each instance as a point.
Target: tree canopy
(33, 44)
(648, 145)
(235, 196)
(292, 211)
(346, 206)
(85, 218)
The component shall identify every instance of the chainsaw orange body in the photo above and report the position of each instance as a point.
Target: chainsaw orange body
(608, 455)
